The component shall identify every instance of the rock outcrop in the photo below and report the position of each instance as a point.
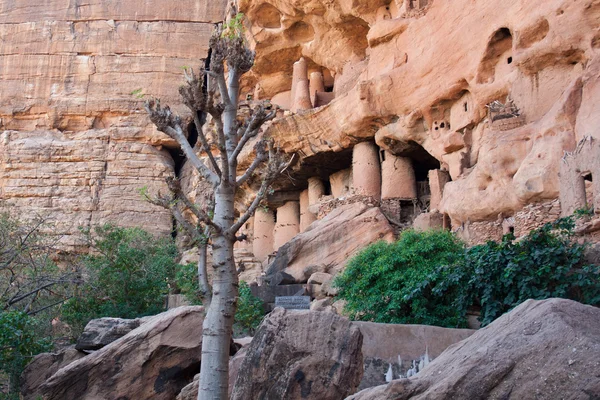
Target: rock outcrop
(327, 244)
(395, 349)
(547, 349)
(495, 97)
(301, 355)
(154, 361)
(42, 367)
(102, 331)
(190, 392)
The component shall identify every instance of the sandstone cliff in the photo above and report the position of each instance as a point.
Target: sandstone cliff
(471, 106)
(75, 142)
(495, 92)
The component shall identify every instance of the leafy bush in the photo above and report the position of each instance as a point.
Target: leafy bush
(186, 281)
(19, 342)
(499, 276)
(128, 276)
(378, 284)
(428, 278)
(250, 310)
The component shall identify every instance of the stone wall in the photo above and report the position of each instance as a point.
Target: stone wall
(531, 217)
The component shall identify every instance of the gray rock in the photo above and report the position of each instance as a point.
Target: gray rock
(547, 349)
(102, 331)
(42, 367)
(154, 361)
(301, 355)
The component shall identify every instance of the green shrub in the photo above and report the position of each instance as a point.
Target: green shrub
(250, 310)
(186, 281)
(428, 278)
(19, 342)
(379, 283)
(499, 276)
(128, 277)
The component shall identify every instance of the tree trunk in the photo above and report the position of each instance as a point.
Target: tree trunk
(218, 324)
(203, 275)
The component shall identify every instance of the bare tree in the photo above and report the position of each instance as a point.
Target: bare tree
(29, 279)
(216, 225)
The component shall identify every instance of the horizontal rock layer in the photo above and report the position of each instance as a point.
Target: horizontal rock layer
(76, 144)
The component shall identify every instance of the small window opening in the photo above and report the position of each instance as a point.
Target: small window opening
(509, 60)
(329, 89)
(381, 155)
(511, 229)
(327, 186)
(466, 107)
(588, 177)
(442, 125)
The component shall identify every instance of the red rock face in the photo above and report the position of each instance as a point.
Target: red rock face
(75, 142)
(423, 72)
(415, 76)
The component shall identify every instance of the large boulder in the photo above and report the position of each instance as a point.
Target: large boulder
(102, 331)
(190, 392)
(328, 243)
(395, 349)
(301, 355)
(154, 361)
(547, 349)
(42, 367)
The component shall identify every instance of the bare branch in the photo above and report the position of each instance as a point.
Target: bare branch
(261, 157)
(170, 124)
(260, 195)
(274, 168)
(205, 145)
(259, 117)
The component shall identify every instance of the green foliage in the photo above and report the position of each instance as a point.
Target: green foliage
(138, 93)
(428, 278)
(234, 27)
(546, 263)
(378, 284)
(584, 212)
(19, 342)
(186, 280)
(250, 310)
(128, 276)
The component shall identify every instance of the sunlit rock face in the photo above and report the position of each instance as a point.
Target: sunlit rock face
(487, 96)
(75, 143)
(495, 93)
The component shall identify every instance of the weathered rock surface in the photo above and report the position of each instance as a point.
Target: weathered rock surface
(154, 361)
(301, 355)
(75, 143)
(546, 349)
(405, 76)
(102, 331)
(327, 244)
(398, 346)
(42, 367)
(190, 392)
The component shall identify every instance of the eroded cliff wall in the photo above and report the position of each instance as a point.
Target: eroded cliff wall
(75, 143)
(495, 91)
